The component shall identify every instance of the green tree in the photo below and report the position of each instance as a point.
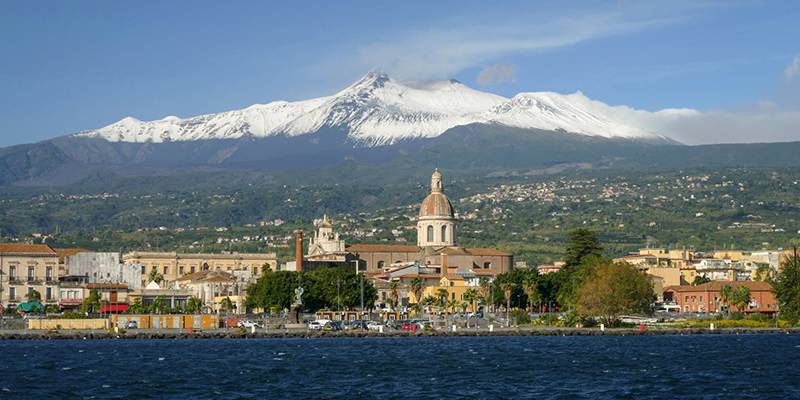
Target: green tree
(726, 296)
(417, 285)
(741, 298)
(700, 279)
(227, 305)
(485, 285)
(471, 296)
(91, 304)
(33, 295)
(582, 243)
(614, 289)
(194, 305)
(530, 285)
(394, 288)
(786, 286)
(154, 276)
(506, 284)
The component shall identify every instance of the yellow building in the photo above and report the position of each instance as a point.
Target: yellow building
(171, 265)
(25, 268)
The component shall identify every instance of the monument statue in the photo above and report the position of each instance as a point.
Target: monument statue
(297, 306)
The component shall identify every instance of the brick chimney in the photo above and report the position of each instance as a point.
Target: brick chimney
(298, 252)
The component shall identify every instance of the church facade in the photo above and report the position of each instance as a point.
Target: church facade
(437, 245)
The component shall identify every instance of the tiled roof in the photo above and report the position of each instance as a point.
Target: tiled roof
(66, 252)
(472, 251)
(381, 248)
(715, 286)
(26, 248)
(106, 286)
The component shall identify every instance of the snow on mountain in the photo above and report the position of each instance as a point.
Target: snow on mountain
(378, 110)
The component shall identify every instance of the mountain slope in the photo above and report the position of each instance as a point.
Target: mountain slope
(378, 110)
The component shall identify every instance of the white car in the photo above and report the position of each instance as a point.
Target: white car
(374, 326)
(246, 323)
(318, 324)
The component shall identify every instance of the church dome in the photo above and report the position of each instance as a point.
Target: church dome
(436, 205)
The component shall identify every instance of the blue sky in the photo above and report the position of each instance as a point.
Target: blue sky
(71, 66)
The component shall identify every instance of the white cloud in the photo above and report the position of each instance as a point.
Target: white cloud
(455, 45)
(497, 74)
(793, 70)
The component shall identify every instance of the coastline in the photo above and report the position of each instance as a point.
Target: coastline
(174, 335)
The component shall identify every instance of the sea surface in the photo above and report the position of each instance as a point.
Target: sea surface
(612, 367)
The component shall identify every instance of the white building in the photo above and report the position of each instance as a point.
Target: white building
(104, 268)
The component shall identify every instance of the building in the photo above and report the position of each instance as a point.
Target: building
(113, 296)
(25, 268)
(104, 268)
(706, 298)
(437, 242)
(171, 266)
(211, 287)
(172, 297)
(71, 291)
(550, 268)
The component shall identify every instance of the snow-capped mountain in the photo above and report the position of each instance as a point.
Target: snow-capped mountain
(378, 110)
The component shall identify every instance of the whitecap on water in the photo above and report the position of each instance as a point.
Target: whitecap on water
(6, 389)
(160, 358)
(66, 368)
(106, 386)
(277, 358)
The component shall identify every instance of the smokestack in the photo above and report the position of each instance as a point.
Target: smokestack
(443, 272)
(298, 251)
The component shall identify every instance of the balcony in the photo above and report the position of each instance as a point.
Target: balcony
(71, 301)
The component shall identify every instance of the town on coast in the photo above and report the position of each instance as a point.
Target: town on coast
(331, 288)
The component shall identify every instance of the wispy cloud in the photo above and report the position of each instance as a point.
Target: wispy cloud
(455, 45)
(793, 70)
(497, 74)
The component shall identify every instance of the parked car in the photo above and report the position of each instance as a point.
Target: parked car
(318, 324)
(332, 326)
(131, 325)
(374, 326)
(246, 323)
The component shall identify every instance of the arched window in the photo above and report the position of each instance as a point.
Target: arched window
(430, 233)
(381, 264)
(444, 233)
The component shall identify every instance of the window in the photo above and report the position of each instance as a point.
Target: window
(694, 299)
(49, 273)
(12, 293)
(381, 264)
(31, 273)
(255, 270)
(487, 265)
(444, 233)
(191, 270)
(701, 299)
(12, 272)
(453, 296)
(686, 299)
(48, 293)
(180, 269)
(430, 233)
(166, 269)
(143, 270)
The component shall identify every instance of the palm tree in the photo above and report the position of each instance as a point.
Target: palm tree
(507, 286)
(227, 305)
(194, 305)
(417, 284)
(394, 286)
(486, 289)
(441, 295)
(725, 295)
(471, 295)
(530, 285)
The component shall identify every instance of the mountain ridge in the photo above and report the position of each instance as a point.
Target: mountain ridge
(377, 110)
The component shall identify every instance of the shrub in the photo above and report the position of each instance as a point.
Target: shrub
(759, 317)
(520, 317)
(737, 316)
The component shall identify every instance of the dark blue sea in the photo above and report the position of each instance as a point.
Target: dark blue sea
(634, 367)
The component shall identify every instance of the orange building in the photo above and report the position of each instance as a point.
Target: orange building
(706, 297)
